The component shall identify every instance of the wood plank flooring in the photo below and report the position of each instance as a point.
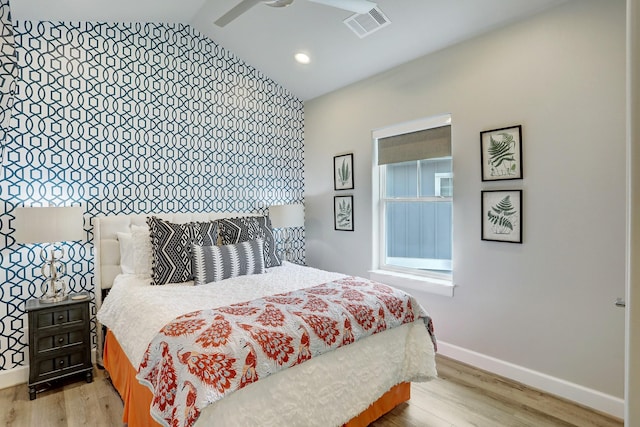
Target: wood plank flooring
(466, 396)
(73, 404)
(463, 396)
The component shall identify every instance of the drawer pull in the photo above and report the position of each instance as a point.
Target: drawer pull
(61, 363)
(61, 317)
(60, 340)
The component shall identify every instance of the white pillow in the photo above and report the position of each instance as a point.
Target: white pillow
(142, 250)
(126, 252)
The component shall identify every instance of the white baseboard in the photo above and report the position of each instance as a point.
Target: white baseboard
(13, 377)
(20, 375)
(584, 396)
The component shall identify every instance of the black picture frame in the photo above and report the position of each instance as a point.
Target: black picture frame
(343, 172)
(501, 216)
(501, 153)
(343, 213)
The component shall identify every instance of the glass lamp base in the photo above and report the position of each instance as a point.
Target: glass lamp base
(53, 290)
(46, 299)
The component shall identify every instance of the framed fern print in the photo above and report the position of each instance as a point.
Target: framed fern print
(501, 153)
(502, 215)
(343, 172)
(343, 213)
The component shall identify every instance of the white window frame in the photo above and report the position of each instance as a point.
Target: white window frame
(429, 281)
(439, 177)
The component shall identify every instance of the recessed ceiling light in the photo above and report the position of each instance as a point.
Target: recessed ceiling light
(302, 58)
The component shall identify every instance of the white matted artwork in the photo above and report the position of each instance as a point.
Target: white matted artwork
(343, 213)
(343, 172)
(501, 153)
(502, 215)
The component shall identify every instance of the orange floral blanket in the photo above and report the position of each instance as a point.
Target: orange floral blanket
(200, 357)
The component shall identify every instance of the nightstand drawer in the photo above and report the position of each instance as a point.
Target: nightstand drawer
(57, 366)
(67, 317)
(59, 340)
(45, 344)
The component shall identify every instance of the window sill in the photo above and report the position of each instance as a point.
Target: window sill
(412, 282)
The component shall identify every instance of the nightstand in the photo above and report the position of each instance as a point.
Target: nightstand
(59, 340)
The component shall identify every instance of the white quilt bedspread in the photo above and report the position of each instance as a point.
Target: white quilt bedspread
(325, 391)
(148, 308)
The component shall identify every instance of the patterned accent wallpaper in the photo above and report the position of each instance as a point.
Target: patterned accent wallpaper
(8, 71)
(134, 118)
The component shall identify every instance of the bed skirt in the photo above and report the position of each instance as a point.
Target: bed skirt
(137, 398)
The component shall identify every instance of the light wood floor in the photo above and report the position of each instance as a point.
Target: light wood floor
(462, 396)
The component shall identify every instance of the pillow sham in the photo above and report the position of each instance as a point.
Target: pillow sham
(135, 250)
(142, 251)
(242, 229)
(171, 248)
(215, 263)
(126, 252)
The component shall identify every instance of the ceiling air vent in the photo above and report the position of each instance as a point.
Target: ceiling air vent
(367, 23)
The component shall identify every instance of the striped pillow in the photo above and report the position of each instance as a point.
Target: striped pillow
(215, 263)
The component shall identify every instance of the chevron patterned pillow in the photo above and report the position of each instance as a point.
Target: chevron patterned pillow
(236, 230)
(171, 248)
(215, 263)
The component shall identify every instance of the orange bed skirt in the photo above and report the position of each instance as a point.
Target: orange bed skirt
(137, 398)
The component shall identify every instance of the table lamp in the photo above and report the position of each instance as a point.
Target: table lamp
(51, 225)
(287, 216)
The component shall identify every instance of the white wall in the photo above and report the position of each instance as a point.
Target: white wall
(545, 305)
(632, 386)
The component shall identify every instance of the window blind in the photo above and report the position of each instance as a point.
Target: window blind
(424, 144)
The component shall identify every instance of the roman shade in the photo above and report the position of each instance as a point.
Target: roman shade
(424, 144)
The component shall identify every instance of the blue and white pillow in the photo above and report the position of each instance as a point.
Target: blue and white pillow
(215, 263)
(236, 230)
(171, 248)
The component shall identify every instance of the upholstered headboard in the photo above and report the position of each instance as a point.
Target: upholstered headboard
(107, 247)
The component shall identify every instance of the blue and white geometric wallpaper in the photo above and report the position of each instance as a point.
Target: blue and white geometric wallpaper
(135, 118)
(8, 70)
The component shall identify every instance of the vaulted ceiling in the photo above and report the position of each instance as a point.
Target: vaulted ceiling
(268, 37)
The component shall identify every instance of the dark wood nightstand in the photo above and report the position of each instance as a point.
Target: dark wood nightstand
(59, 340)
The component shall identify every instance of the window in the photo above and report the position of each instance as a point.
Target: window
(414, 169)
(444, 184)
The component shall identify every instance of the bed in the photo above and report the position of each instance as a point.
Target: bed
(359, 382)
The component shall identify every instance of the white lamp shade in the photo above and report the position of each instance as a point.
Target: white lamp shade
(286, 216)
(48, 224)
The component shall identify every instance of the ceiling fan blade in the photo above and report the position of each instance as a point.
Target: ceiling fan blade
(236, 11)
(355, 6)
